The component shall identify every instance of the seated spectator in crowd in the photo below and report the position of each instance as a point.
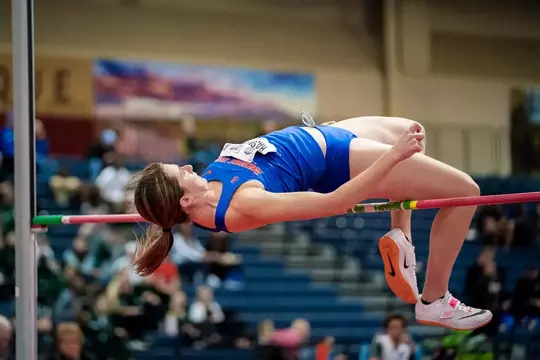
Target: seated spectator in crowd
(50, 280)
(44, 327)
(108, 341)
(125, 308)
(189, 254)
(77, 255)
(193, 260)
(481, 274)
(176, 322)
(64, 187)
(7, 215)
(134, 308)
(106, 244)
(492, 226)
(394, 343)
(165, 280)
(7, 267)
(205, 313)
(264, 330)
(125, 263)
(6, 333)
(522, 226)
(45, 165)
(286, 343)
(70, 302)
(91, 201)
(111, 182)
(535, 224)
(69, 343)
(219, 271)
(525, 300)
(98, 151)
(7, 149)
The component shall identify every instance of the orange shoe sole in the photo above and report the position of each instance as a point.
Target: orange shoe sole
(392, 271)
(432, 323)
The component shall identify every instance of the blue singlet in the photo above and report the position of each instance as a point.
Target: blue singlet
(298, 164)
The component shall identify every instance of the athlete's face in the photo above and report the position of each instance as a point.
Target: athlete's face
(189, 181)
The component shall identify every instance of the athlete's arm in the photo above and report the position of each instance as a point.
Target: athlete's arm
(277, 207)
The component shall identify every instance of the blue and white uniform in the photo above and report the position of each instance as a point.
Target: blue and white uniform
(287, 160)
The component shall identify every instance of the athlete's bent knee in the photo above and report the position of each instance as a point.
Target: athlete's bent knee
(468, 186)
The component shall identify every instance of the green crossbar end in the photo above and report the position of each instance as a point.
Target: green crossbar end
(47, 220)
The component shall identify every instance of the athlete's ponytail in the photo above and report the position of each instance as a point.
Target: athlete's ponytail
(156, 197)
(152, 250)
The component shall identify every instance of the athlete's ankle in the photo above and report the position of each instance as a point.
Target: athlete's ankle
(426, 300)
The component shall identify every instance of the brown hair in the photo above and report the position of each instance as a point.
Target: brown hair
(156, 197)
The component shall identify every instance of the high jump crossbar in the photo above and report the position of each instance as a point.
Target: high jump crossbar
(46, 220)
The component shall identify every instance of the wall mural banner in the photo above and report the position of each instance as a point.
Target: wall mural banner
(525, 130)
(163, 90)
(63, 86)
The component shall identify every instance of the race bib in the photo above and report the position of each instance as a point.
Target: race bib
(248, 150)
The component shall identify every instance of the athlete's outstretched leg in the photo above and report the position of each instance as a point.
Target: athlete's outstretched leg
(422, 177)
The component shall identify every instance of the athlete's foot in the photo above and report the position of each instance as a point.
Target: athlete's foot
(399, 265)
(451, 313)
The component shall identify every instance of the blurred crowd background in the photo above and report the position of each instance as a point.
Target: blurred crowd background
(121, 83)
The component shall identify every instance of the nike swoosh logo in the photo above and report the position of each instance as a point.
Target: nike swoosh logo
(392, 271)
(477, 313)
(405, 262)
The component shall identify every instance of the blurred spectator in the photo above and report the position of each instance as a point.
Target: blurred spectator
(77, 255)
(125, 263)
(64, 187)
(493, 226)
(522, 226)
(6, 208)
(111, 182)
(535, 220)
(125, 306)
(6, 333)
(97, 152)
(290, 340)
(199, 153)
(50, 280)
(205, 313)
(70, 302)
(69, 343)
(92, 202)
(108, 341)
(525, 300)
(219, 271)
(176, 322)
(106, 244)
(485, 281)
(7, 267)
(135, 308)
(394, 343)
(189, 254)
(264, 331)
(165, 280)
(45, 166)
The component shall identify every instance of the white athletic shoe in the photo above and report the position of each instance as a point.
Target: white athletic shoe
(399, 265)
(451, 313)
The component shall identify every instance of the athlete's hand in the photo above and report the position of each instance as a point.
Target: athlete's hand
(410, 142)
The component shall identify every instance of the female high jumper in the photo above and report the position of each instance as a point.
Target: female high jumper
(309, 172)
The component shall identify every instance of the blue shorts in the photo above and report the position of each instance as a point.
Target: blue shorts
(337, 170)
